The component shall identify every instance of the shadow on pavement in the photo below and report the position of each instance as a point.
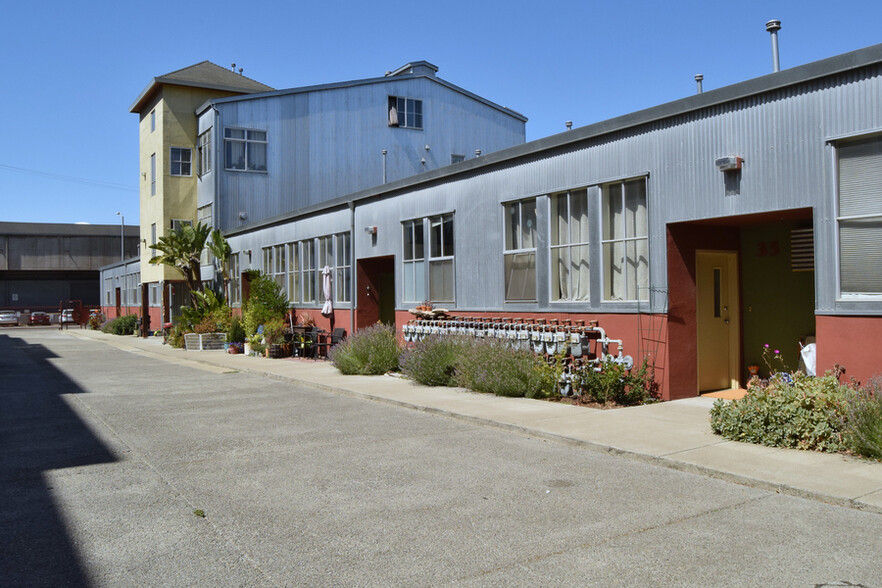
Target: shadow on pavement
(38, 432)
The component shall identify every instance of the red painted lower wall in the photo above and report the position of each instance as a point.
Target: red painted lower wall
(853, 342)
(643, 336)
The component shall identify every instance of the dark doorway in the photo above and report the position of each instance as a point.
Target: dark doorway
(376, 292)
(118, 302)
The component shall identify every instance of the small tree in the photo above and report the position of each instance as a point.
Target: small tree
(182, 250)
(265, 302)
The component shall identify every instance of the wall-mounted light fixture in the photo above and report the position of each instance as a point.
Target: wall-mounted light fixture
(247, 252)
(371, 229)
(427, 147)
(243, 215)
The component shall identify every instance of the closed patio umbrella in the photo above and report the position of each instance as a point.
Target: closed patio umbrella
(326, 289)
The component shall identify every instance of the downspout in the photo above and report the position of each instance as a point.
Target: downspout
(352, 283)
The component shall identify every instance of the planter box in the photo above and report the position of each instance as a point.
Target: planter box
(204, 341)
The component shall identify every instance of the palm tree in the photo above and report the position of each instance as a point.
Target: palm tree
(182, 250)
(219, 247)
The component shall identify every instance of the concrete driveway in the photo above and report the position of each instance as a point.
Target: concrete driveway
(107, 453)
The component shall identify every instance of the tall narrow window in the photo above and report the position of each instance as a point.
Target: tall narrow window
(293, 272)
(413, 261)
(307, 270)
(235, 280)
(569, 246)
(267, 261)
(204, 152)
(520, 251)
(179, 161)
(153, 234)
(152, 120)
(245, 150)
(860, 218)
(441, 274)
(343, 278)
(280, 266)
(153, 174)
(625, 241)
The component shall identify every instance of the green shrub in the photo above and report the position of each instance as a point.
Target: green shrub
(433, 361)
(863, 420)
(236, 334)
(495, 367)
(806, 413)
(124, 325)
(615, 383)
(370, 351)
(266, 301)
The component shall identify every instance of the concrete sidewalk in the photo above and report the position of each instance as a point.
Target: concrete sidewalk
(671, 434)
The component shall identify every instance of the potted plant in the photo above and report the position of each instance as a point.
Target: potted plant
(274, 335)
(236, 335)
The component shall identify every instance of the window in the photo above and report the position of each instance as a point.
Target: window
(520, 251)
(454, 158)
(280, 266)
(441, 273)
(152, 120)
(153, 234)
(177, 224)
(133, 281)
(235, 280)
(153, 174)
(625, 241)
(179, 160)
(860, 218)
(108, 291)
(245, 150)
(307, 270)
(569, 246)
(413, 260)
(154, 297)
(203, 148)
(203, 217)
(293, 272)
(405, 112)
(343, 279)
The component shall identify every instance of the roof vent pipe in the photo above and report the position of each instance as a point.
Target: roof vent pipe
(698, 88)
(569, 125)
(773, 26)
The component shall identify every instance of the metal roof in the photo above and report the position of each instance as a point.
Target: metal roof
(201, 75)
(65, 230)
(394, 76)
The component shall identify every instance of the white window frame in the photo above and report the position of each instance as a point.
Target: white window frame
(203, 216)
(250, 140)
(403, 112)
(343, 269)
(863, 211)
(235, 280)
(307, 271)
(153, 174)
(517, 248)
(575, 245)
(445, 257)
(625, 237)
(413, 261)
(180, 159)
(203, 149)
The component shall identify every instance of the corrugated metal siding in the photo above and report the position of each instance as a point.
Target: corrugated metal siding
(783, 138)
(326, 144)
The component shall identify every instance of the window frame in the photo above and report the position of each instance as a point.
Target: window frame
(235, 280)
(409, 107)
(606, 267)
(180, 162)
(248, 144)
(584, 246)
(203, 153)
(513, 250)
(855, 217)
(153, 174)
(447, 255)
(413, 266)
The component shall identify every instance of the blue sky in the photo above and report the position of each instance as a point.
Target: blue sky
(72, 69)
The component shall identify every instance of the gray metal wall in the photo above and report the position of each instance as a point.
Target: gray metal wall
(785, 138)
(325, 144)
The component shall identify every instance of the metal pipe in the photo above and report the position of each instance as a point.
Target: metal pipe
(353, 277)
(122, 236)
(773, 26)
(698, 79)
(384, 166)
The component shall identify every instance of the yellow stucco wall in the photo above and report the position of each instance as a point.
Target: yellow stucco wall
(175, 198)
